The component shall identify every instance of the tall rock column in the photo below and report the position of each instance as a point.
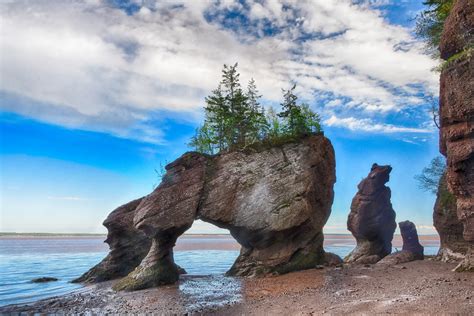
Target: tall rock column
(457, 115)
(372, 218)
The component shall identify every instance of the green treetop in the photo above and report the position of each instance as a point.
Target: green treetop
(235, 119)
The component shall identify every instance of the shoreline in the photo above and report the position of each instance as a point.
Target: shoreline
(426, 286)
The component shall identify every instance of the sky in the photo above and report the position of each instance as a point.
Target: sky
(97, 95)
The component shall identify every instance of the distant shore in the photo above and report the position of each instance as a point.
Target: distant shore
(10, 234)
(211, 241)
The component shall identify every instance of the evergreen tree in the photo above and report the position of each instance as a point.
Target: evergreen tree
(234, 119)
(257, 123)
(274, 126)
(312, 120)
(204, 140)
(217, 119)
(291, 113)
(236, 101)
(430, 23)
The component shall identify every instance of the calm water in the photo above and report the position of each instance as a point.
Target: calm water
(23, 259)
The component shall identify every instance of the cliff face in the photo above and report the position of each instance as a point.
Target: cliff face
(457, 115)
(372, 218)
(274, 202)
(453, 247)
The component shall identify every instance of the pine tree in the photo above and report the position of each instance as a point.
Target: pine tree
(236, 101)
(234, 119)
(217, 118)
(257, 123)
(291, 113)
(274, 126)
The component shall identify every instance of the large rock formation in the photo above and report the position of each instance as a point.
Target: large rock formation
(372, 219)
(411, 250)
(274, 201)
(128, 246)
(457, 115)
(453, 247)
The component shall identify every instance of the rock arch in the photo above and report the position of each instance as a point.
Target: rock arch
(274, 201)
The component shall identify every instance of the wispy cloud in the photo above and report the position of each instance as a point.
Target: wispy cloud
(91, 65)
(367, 125)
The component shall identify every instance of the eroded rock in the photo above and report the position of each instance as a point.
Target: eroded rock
(163, 216)
(457, 115)
(453, 247)
(128, 246)
(372, 218)
(274, 201)
(410, 239)
(411, 250)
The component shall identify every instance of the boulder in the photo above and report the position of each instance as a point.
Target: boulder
(411, 250)
(457, 115)
(453, 247)
(372, 218)
(128, 246)
(44, 280)
(274, 200)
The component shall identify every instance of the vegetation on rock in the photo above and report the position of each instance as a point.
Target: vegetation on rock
(430, 23)
(433, 179)
(234, 119)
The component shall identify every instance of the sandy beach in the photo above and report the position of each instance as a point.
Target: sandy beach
(423, 287)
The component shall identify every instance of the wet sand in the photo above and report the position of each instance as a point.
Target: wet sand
(422, 287)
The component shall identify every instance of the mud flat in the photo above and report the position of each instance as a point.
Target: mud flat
(426, 286)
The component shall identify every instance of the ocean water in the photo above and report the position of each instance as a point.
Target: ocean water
(66, 258)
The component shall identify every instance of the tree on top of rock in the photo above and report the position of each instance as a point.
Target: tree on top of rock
(235, 119)
(298, 119)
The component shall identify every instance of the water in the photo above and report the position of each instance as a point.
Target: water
(66, 258)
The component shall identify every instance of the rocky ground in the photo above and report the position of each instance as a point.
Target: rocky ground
(424, 287)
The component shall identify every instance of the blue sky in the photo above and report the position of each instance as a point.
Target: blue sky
(95, 95)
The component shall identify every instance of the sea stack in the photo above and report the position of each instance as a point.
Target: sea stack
(457, 115)
(372, 218)
(412, 249)
(411, 242)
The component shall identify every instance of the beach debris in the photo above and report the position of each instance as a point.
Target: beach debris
(372, 218)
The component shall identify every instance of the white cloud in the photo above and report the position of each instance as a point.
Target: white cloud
(88, 64)
(367, 125)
